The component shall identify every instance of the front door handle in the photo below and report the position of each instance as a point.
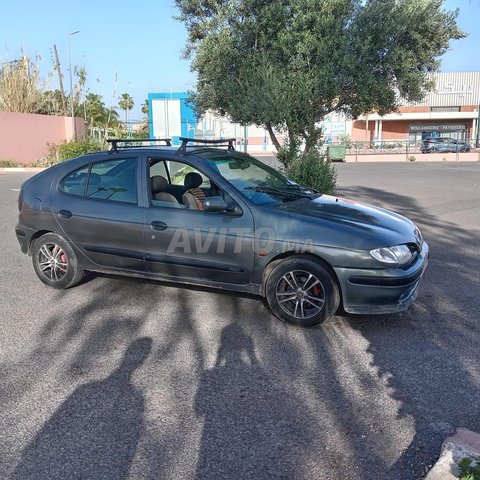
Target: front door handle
(64, 213)
(159, 226)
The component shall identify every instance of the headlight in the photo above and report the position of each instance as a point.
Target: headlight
(397, 255)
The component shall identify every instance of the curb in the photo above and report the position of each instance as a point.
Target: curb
(463, 443)
(21, 169)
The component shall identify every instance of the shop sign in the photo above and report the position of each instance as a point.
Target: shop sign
(438, 128)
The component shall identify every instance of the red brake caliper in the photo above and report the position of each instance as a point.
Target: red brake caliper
(316, 290)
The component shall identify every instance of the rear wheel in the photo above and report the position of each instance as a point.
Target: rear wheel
(301, 291)
(55, 262)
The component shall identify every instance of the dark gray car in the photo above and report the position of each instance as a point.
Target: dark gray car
(443, 145)
(218, 218)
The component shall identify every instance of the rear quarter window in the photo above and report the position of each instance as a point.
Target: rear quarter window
(74, 183)
(114, 180)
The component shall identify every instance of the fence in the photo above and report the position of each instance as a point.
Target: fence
(391, 147)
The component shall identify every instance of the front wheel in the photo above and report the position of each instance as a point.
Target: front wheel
(55, 262)
(301, 291)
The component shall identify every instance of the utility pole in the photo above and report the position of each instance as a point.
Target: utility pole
(71, 85)
(60, 80)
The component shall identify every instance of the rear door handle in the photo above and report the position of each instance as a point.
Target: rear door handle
(158, 226)
(64, 213)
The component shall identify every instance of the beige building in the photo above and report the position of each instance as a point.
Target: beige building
(451, 110)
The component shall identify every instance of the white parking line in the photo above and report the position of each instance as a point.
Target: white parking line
(15, 189)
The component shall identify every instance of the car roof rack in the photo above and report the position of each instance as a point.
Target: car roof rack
(220, 142)
(116, 141)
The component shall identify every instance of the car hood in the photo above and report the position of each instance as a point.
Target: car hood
(368, 225)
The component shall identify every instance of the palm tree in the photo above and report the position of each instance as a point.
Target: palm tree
(145, 129)
(145, 107)
(126, 103)
(98, 115)
(81, 74)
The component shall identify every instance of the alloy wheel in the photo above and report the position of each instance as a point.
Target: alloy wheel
(52, 262)
(300, 294)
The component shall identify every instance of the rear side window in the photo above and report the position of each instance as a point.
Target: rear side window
(158, 168)
(114, 180)
(178, 172)
(75, 182)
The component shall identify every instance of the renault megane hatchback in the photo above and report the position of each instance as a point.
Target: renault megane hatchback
(211, 216)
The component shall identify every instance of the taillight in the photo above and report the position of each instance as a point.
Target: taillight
(20, 201)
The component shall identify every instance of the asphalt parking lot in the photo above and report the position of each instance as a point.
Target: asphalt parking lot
(122, 378)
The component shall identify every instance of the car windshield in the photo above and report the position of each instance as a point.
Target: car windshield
(258, 182)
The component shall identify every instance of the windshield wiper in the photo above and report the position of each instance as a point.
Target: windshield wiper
(300, 188)
(279, 191)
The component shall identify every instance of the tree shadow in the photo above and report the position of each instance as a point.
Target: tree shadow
(431, 366)
(90, 326)
(252, 427)
(95, 432)
(359, 398)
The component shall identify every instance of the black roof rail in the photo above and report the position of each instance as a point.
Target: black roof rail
(220, 142)
(116, 141)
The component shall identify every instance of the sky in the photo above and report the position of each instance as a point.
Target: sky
(141, 44)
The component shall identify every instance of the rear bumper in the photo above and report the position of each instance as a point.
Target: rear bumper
(24, 236)
(382, 291)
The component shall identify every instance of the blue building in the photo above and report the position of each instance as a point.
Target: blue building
(170, 116)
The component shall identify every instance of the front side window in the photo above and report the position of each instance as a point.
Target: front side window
(179, 185)
(114, 180)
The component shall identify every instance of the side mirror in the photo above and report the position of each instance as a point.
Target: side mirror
(214, 204)
(234, 210)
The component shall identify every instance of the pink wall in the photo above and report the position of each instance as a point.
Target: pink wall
(24, 137)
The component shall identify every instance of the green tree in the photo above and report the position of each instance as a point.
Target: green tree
(78, 89)
(126, 103)
(285, 64)
(144, 130)
(98, 116)
(52, 103)
(145, 107)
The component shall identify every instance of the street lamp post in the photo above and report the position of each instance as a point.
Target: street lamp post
(71, 84)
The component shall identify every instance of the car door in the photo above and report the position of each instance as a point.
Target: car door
(96, 207)
(183, 243)
(446, 145)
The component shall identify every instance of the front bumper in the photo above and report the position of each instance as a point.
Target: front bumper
(382, 291)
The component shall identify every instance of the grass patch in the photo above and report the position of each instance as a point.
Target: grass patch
(469, 469)
(8, 164)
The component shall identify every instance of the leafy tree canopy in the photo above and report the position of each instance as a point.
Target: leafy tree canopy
(285, 64)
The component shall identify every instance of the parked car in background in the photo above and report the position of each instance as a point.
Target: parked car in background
(443, 145)
(218, 218)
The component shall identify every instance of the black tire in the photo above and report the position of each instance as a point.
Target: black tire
(302, 306)
(66, 272)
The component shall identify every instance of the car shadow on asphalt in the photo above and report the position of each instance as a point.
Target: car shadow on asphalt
(95, 432)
